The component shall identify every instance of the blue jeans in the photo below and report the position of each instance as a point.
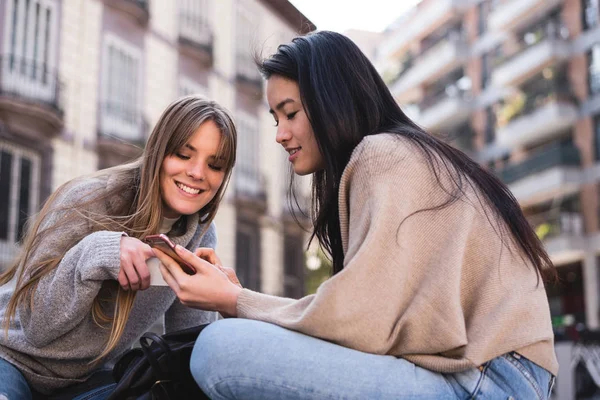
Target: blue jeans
(245, 359)
(14, 387)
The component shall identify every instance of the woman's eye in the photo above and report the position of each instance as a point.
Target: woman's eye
(216, 167)
(292, 115)
(183, 157)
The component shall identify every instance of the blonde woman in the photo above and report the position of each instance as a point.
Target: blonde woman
(79, 294)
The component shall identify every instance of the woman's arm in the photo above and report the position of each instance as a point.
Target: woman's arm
(369, 304)
(64, 296)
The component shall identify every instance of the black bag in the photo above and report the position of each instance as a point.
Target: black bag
(159, 369)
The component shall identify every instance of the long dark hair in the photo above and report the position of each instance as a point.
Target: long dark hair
(345, 100)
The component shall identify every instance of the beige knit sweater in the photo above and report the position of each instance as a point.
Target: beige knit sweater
(439, 289)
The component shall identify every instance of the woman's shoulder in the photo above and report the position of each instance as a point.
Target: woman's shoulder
(385, 145)
(386, 152)
(89, 188)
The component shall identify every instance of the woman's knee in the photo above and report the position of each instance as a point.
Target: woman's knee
(220, 347)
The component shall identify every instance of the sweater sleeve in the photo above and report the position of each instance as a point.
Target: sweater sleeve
(64, 297)
(179, 316)
(390, 252)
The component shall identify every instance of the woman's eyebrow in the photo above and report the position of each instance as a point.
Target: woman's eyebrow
(280, 105)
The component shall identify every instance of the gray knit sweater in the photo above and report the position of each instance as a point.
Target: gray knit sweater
(53, 345)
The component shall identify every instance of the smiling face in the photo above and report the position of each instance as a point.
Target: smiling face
(294, 131)
(190, 178)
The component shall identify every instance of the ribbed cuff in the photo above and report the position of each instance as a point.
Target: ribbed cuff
(107, 251)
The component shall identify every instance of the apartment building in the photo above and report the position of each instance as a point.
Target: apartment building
(516, 84)
(82, 83)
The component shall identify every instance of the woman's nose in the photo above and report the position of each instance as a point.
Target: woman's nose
(283, 135)
(196, 171)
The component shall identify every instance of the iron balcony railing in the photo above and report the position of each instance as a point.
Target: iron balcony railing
(549, 30)
(556, 222)
(249, 182)
(119, 121)
(195, 30)
(555, 154)
(529, 100)
(31, 81)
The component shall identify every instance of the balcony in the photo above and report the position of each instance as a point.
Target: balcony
(436, 61)
(562, 234)
(247, 75)
(514, 13)
(552, 171)
(250, 188)
(530, 118)
(445, 111)
(137, 9)
(196, 37)
(529, 60)
(31, 95)
(425, 20)
(121, 133)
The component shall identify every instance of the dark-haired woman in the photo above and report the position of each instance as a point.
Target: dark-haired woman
(438, 285)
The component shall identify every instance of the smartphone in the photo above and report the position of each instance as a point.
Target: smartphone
(164, 244)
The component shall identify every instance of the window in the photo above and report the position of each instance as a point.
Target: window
(594, 69)
(194, 17)
(247, 170)
(591, 14)
(188, 86)
(121, 91)
(30, 37)
(490, 125)
(597, 136)
(485, 70)
(247, 253)
(245, 35)
(19, 192)
(483, 12)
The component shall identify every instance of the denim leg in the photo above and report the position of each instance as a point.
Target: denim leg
(97, 387)
(99, 393)
(510, 376)
(13, 385)
(237, 358)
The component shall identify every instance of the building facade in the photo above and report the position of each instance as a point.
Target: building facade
(82, 83)
(516, 84)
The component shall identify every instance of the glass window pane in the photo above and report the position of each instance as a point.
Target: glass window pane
(24, 196)
(5, 178)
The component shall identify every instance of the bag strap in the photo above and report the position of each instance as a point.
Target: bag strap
(145, 342)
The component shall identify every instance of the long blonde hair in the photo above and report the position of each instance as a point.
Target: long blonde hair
(140, 215)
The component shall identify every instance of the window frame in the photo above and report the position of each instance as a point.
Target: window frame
(111, 124)
(9, 246)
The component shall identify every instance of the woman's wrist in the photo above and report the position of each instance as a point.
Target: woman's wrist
(229, 309)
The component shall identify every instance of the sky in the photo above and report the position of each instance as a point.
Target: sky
(338, 15)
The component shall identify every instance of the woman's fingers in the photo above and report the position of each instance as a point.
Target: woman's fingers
(195, 261)
(132, 277)
(122, 278)
(142, 271)
(171, 265)
(231, 275)
(168, 277)
(208, 254)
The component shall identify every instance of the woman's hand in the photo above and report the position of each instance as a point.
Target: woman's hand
(208, 254)
(209, 289)
(134, 273)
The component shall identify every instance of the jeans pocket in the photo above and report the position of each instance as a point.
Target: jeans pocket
(518, 362)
